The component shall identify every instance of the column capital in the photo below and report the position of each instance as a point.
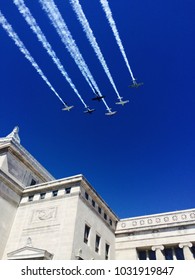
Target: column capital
(185, 244)
(157, 247)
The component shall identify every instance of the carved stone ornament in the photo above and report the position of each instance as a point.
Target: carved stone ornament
(44, 214)
(158, 220)
(123, 225)
(192, 215)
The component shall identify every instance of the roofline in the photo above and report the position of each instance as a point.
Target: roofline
(68, 180)
(18, 148)
(157, 215)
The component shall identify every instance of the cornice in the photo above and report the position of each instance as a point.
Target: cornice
(24, 156)
(168, 219)
(11, 182)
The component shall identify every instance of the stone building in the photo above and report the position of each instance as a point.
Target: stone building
(66, 219)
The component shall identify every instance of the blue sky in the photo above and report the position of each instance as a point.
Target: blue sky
(141, 160)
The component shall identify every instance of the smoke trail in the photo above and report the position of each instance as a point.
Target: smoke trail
(89, 33)
(8, 28)
(66, 37)
(54, 14)
(23, 9)
(112, 23)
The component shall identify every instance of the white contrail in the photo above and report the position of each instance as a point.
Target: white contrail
(112, 23)
(23, 9)
(54, 15)
(58, 22)
(8, 28)
(89, 33)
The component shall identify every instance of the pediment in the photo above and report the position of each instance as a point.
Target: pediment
(29, 253)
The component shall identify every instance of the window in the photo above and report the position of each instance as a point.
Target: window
(168, 252)
(193, 250)
(42, 195)
(97, 243)
(110, 221)
(86, 234)
(105, 216)
(55, 193)
(33, 182)
(142, 255)
(67, 190)
(30, 198)
(99, 209)
(93, 203)
(173, 253)
(146, 255)
(107, 251)
(86, 195)
(179, 253)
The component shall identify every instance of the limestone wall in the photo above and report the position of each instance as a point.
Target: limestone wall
(48, 222)
(8, 206)
(86, 214)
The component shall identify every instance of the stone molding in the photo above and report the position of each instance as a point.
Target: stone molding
(159, 220)
(29, 252)
(185, 244)
(14, 147)
(157, 247)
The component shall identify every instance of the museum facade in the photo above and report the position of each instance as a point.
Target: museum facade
(66, 219)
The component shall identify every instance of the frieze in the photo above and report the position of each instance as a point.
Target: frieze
(155, 220)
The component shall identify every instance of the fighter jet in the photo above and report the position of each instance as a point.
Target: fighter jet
(110, 113)
(89, 111)
(67, 108)
(135, 84)
(98, 97)
(121, 102)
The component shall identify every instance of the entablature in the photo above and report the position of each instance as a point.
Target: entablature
(164, 220)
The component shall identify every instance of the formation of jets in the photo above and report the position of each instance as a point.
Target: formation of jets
(99, 97)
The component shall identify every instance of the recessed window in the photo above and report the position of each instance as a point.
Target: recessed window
(99, 209)
(107, 251)
(179, 253)
(105, 216)
(146, 255)
(42, 195)
(30, 198)
(55, 193)
(110, 221)
(86, 195)
(97, 243)
(93, 203)
(67, 190)
(33, 182)
(86, 234)
(174, 252)
(193, 250)
(142, 255)
(168, 252)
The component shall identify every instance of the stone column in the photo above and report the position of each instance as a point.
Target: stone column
(186, 250)
(173, 253)
(158, 252)
(147, 255)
